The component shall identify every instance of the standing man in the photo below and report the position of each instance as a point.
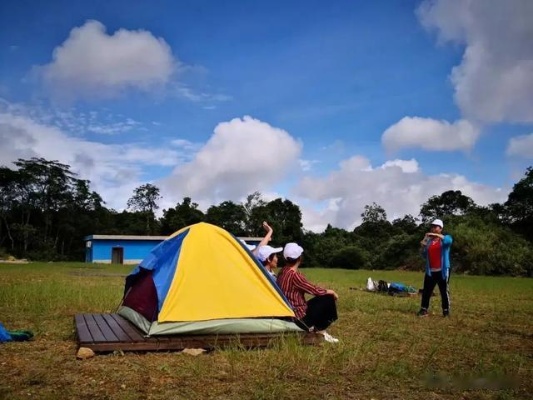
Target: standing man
(435, 248)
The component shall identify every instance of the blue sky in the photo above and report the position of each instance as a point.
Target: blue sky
(332, 105)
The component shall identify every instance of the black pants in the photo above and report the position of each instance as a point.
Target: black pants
(321, 312)
(429, 284)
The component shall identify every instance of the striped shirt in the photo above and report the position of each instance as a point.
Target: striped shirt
(294, 286)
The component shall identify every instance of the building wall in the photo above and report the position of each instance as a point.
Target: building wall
(134, 250)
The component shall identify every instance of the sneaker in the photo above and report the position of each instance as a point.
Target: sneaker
(330, 339)
(445, 313)
(422, 313)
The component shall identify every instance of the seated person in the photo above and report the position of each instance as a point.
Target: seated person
(267, 255)
(268, 236)
(319, 312)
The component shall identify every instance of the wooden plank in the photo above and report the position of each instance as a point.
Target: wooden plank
(83, 331)
(135, 334)
(180, 344)
(105, 329)
(111, 332)
(120, 333)
(96, 333)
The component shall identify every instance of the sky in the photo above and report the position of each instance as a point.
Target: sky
(333, 105)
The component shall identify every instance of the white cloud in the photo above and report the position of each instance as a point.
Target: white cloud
(195, 96)
(430, 134)
(243, 156)
(399, 186)
(113, 128)
(92, 63)
(186, 145)
(494, 81)
(113, 169)
(521, 146)
(307, 165)
(407, 166)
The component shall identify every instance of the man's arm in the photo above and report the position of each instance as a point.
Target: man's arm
(265, 239)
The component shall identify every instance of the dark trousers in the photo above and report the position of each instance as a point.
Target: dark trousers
(321, 312)
(429, 285)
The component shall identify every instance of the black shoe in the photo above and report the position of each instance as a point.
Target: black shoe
(422, 313)
(445, 313)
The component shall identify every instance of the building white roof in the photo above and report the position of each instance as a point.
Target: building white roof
(139, 237)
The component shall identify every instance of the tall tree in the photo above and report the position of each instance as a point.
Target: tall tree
(254, 218)
(184, 214)
(228, 215)
(42, 205)
(519, 205)
(451, 202)
(144, 200)
(8, 197)
(374, 232)
(44, 187)
(285, 217)
(374, 213)
(407, 224)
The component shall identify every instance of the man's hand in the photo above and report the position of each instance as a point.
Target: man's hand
(268, 230)
(267, 227)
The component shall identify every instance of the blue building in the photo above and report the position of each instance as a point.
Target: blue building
(126, 249)
(119, 249)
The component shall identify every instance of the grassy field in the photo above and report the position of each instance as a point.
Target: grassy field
(484, 351)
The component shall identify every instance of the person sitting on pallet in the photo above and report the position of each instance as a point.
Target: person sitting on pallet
(318, 313)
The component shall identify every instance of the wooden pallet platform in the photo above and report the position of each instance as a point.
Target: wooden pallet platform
(110, 332)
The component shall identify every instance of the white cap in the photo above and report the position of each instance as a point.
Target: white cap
(250, 246)
(438, 222)
(266, 251)
(292, 250)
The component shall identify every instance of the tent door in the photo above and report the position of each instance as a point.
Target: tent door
(117, 255)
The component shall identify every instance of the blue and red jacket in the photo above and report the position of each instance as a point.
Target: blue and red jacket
(445, 256)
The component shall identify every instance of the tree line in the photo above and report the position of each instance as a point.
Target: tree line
(46, 210)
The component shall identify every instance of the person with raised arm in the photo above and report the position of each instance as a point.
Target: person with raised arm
(435, 248)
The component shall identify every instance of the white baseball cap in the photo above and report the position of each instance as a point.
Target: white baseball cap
(438, 222)
(266, 251)
(250, 246)
(292, 250)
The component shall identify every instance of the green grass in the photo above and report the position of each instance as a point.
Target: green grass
(484, 351)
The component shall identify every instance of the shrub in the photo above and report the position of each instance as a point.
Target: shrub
(350, 257)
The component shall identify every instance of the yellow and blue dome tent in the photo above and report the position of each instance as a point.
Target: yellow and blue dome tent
(203, 280)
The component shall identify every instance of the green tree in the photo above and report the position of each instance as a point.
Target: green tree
(284, 216)
(351, 257)
(42, 206)
(451, 202)
(407, 224)
(184, 214)
(519, 205)
(254, 212)
(400, 251)
(228, 215)
(323, 247)
(374, 213)
(374, 232)
(8, 196)
(144, 200)
(47, 188)
(488, 249)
